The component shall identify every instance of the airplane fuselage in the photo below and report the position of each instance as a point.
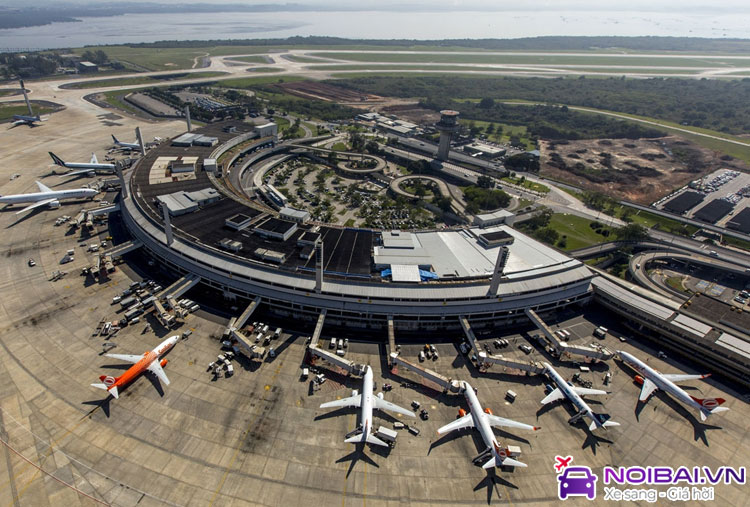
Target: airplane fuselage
(76, 193)
(366, 405)
(659, 381)
(481, 421)
(570, 394)
(148, 357)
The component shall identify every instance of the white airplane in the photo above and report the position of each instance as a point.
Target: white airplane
(573, 393)
(89, 168)
(484, 420)
(651, 380)
(30, 119)
(128, 146)
(47, 197)
(366, 402)
(149, 361)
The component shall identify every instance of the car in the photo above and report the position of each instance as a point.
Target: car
(415, 404)
(577, 481)
(32, 263)
(424, 415)
(525, 348)
(661, 355)
(387, 387)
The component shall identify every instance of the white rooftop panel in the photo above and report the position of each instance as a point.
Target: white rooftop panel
(405, 273)
(734, 344)
(693, 325)
(398, 239)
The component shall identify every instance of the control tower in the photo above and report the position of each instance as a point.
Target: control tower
(447, 125)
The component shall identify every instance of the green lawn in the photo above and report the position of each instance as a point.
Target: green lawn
(507, 130)
(739, 243)
(8, 109)
(266, 70)
(536, 187)
(340, 147)
(249, 82)
(578, 231)
(138, 80)
(114, 99)
(281, 122)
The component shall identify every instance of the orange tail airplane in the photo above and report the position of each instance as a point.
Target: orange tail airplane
(148, 361)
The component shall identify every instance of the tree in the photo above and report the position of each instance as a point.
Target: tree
(632, 232)
(541, 219)
(547, 235)
(372, 147)
(100, 57)
(487, 103)
(443, 202)
(490, 129)
(485, 182)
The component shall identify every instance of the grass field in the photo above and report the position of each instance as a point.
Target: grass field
(736, 242)
(138, 80)
(340, 147)
(507, 131)
(578, 231)
(264, 70)
(5, 93)
(7, 110)
(536, 187)
(249, 82)
(114, 99)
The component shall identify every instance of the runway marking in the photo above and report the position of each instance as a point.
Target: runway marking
(239, 444)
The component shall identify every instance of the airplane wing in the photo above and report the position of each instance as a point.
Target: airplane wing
(351, 401)
(93, 159)
(584, 391)
(387, 405)
(18, 122)
(464, 422)
(157, 370)
(43, 187)
(37, 204)
(648, 388)
(500, 422)
(555, 395)
(76, 173)
(676, 377)
(131, 358)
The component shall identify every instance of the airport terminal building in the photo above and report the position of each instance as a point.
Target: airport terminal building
(423, 280)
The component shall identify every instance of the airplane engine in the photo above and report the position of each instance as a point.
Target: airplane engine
(355, 392)
(638, 380)
(380, 395)
(54, 204)
(163, 362)
(461, 412)
(488, 411)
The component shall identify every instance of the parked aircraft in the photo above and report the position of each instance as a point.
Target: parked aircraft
(20, 119)
(47, 197)
(484, 420)
(127, 146)
(651, 380)
(89, 168)
(366, 402)
(574, 393)
(149, 361)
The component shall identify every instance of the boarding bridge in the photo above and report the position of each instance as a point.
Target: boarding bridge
(162, 315)
(123, 248)
(552, 338)
(104, 210)
(528, 366)
(180, 287)
(318, 329)
(251, 350)
(447, 384)
(564, 349)
(80, 218)
(391, 338)
(244, 316)
(469, 334)
(325, 355)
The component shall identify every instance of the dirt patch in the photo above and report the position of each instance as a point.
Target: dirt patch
(412, 112)
(639, 171)
(327, 92)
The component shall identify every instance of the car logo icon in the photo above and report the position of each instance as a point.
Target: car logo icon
(577, 481)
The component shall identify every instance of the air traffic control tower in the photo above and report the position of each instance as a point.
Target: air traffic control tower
(447, 125)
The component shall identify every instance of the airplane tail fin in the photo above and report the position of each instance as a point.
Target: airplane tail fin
(603, 421)
(369, 438)
(709, 406)
(57, 160)
(497, 461)
(108, 385)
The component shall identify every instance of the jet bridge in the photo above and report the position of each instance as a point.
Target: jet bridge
(180, 287)
(245, 315)
(596, 351)
(123, 248)
(447, 384)
(350, 367)
(484, 359)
